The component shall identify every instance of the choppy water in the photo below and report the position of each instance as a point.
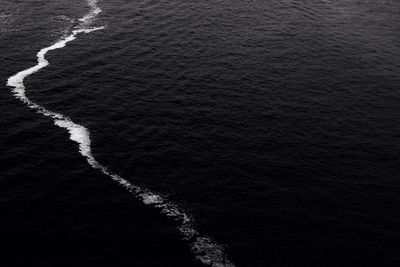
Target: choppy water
(251, 133)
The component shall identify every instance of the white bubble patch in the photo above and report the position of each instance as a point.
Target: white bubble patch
(205, 248)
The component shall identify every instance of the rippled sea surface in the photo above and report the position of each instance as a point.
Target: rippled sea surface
(274, 125)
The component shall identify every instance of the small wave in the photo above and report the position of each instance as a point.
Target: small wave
(205, 248)
(64, 18)
(4, 16)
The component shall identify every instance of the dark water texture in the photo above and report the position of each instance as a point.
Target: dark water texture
(275, 123)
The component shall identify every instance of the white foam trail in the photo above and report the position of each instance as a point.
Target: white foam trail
(94, 11)
(204, 248)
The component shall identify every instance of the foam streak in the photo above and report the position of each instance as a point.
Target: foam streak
(204, 248)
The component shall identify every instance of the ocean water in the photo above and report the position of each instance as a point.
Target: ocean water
(199, 133)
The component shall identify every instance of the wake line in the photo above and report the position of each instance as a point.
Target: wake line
(204, 247)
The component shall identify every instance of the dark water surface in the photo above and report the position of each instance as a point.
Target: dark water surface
(275, 124)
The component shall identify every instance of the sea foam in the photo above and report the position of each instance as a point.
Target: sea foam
(205, 248)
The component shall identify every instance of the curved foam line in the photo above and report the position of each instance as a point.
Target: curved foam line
(204, 248)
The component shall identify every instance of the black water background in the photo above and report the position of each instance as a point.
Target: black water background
(276, 123)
